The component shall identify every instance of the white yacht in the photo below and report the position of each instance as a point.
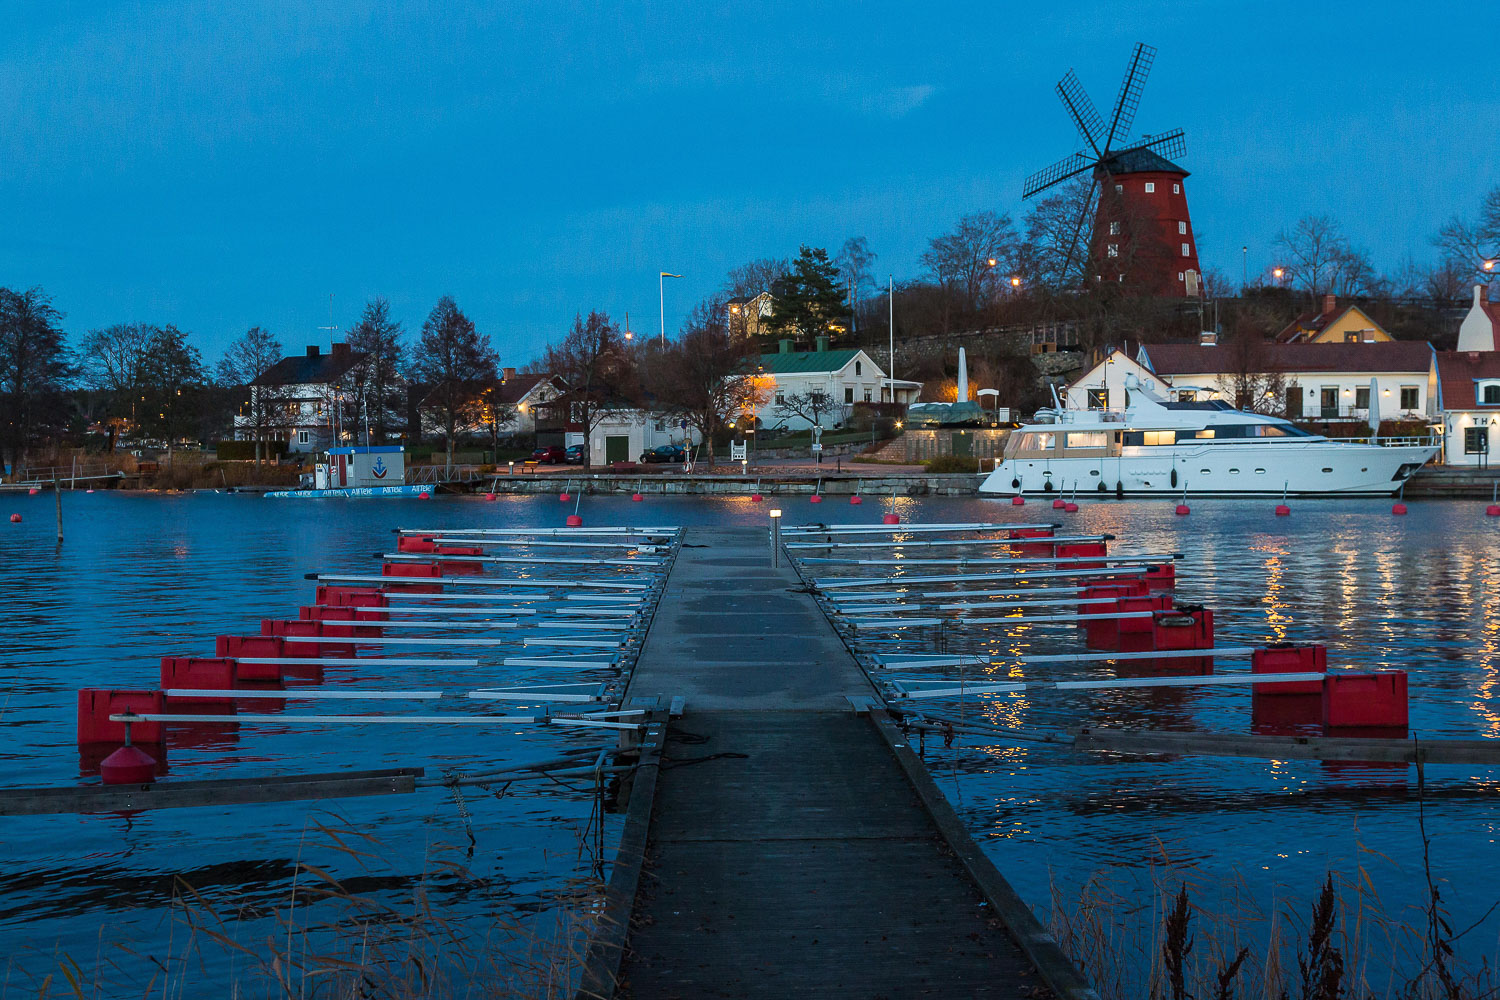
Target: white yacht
(1154, 447)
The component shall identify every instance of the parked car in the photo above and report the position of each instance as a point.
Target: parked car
(574, 454)
(553, 454)
(664, 453)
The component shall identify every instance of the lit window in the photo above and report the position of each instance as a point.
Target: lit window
(1114, 229)
(1087, 439)
(1182, 228)
(1186, 396)
(1185, 252)
(1160, 437)
(1177, 189)
(1150, 187)
(1113, 250)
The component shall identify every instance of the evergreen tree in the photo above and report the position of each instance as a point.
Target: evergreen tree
(808, 301)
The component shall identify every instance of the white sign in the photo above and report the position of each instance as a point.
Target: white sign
(817, 447)
(737, 451)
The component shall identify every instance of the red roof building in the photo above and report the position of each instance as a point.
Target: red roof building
(1143, 238)
(1469, 395)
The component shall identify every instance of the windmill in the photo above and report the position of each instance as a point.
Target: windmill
(1135, 216)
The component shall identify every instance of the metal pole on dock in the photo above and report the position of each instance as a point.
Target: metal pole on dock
(775, 513)
(57, 494)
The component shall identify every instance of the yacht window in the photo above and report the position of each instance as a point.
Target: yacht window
(1207, 432)
(1187, 396)
(1087, 439)
(1327, 468)
(1161, 437)
(1038, 441)
(1260, 472)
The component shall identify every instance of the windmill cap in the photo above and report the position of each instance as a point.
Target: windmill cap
(1138, 161)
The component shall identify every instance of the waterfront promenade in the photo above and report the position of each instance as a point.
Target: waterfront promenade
(795, 847)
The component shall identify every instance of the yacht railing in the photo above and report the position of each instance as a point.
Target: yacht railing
(1421, 441)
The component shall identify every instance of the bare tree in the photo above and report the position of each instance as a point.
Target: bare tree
(1048, 257)
(34, 367)
(455, 361)
(113, 361)
(706, 377)
(811, 406)
(593, 363)
(1253, 380)
(1466, 244)
(375, 394)
(854, 260)
(245, 361)
(755, 277)
(968, 261)
(1320, 259)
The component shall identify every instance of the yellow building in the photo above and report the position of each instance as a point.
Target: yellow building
(1334, 324)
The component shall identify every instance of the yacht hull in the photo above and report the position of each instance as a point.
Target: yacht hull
(1313, 468)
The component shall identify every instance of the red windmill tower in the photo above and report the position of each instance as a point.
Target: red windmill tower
(1142, 237)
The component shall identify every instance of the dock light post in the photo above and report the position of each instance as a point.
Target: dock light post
(775, 513)
(512, 467)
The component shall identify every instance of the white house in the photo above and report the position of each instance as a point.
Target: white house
(842, 378)
(623, 435)
(1323, 381)
(1102, 387)
(524, 392)
(303, 390)
(1470, 401)
(1480, 326)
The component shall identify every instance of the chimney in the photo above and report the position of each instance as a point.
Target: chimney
(822, 343)
(506, 374)
(1208, 338)
(1330, 303)
(1481, 295)
(786, 345)
(341, 350)
(314, 351)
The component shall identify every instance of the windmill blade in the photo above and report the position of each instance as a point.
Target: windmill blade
(1056, 174)
(1081, 110)
(1129, 98)
(1171, 145)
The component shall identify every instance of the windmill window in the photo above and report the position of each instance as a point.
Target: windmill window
(1182, 228)
(1119, 189)
(1114, 249)
(1185, 250)
(1114, 229)
(1181, 276)
(1150, 187)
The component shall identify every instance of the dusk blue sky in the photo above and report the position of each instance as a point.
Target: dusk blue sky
(222, 165)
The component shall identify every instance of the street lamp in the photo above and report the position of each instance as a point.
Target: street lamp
(661, 291)
(1278, 273)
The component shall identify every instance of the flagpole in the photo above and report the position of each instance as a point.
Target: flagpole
(891, 330)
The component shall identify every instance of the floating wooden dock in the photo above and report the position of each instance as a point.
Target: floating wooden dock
(790, 843)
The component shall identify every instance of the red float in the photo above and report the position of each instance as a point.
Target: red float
(416, 543)
(128, 765)
(1282, 510)
(1285, 658)
(1074, 550)
(574, 521)
(489, 496)
(410, 569)
(756, 498)
(1183, 510)
(15, 519)
(96, 705)
(636, 498)
(1398, 509)
(1359, 701)
(1018, 501)
(424, 495)
(1070, 507)
(1493, 510)
(563, 498)
(197, 673)
(351, 597)
(890, 519)
(815, 499)
(855, 499)
(1059, 503)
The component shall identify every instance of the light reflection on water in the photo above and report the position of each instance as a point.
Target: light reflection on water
(141, 576)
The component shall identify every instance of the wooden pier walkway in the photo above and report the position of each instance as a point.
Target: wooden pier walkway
(794, 847)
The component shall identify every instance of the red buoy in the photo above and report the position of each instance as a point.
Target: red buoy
(890, 519)
(1017, 501)
(636, 497)
(424, 495)
(756, 498)
(563, 497)
(33, 491)
(88, 491)
(15, 519)
(1282, 510)
(574, 521)
(816, 499)
(1183, 510)
(1070, 507)
(855, 499)
(1398, 509)
(1059, 503)
(489, 496)
(1493, 510)
(129, 765)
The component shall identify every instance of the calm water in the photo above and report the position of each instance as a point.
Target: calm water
(140, 577)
